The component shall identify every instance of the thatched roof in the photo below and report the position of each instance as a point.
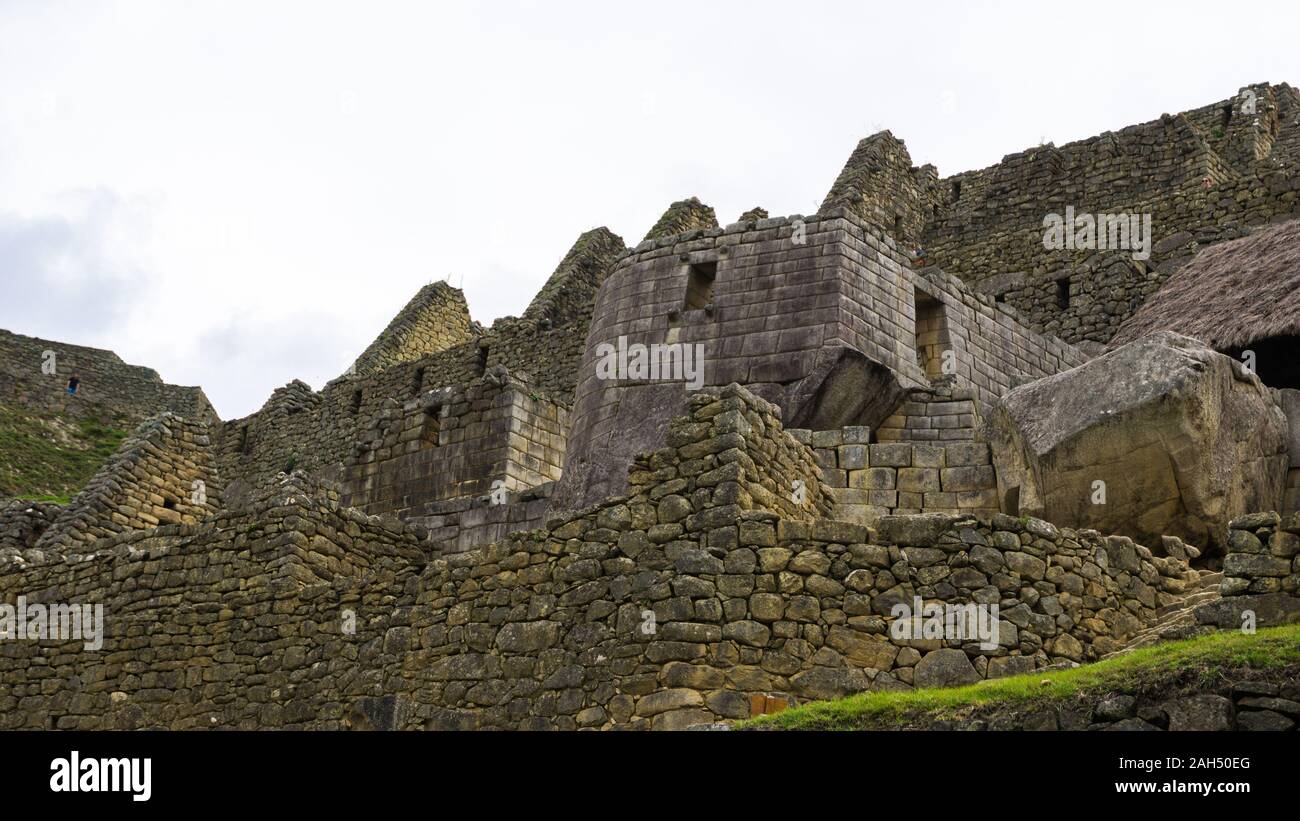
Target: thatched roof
(1230, 295)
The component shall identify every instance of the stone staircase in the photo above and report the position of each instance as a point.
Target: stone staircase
(1176, 620)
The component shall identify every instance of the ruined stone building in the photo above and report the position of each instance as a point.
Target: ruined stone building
(905, 394)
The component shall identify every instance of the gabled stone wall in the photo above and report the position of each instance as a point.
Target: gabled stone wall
(162, 474)
(109, 387)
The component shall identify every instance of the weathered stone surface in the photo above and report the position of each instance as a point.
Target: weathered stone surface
(1201, 713)
(945, 668)
(1183, 437)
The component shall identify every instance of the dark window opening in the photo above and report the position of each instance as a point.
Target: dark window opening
(356, 402)
(699, 285)
(482, 361)
(956, 190)
(999, 298)
(1227, 116)
(1011, 501)
(432, 425)
(932, 339)
(417, 382)
(898, 226)
(1063, 293)
(245, 447)
(169, 504)
(1275, 360)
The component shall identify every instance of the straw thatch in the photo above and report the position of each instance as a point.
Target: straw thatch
(1230, 295)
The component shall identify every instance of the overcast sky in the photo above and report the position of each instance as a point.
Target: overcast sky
(240, 194)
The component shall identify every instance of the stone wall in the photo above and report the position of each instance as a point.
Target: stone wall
(162, 474)
(109, 387)
(457, 525)
(880, 185)
(454, 442)
(867, 482)
(1205, 176)
(567, 296)
(684, 216)
(1263, 555)
(21, 525)
(703, 587)
(788, 298)
(435, 319)
(272, 617)
(301, 429)
(939, 414)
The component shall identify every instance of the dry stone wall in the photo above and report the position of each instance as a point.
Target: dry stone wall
(21, 525)
(1205, 176)
(457, 525)
(435, 319)
(497, 434)
(868, 481)
(680, 604)
(109, 387)
(940, 414)
(162, 474)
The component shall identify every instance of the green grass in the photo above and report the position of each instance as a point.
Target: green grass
(1202, 658)
(49, 459)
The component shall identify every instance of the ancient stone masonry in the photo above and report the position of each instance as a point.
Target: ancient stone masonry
(568, 295)
(1205, 176)
(317, 431)
(21, 526)
(868, 482)
(435, 319)
(162, 474)
(880, 185)
(939, 414)
(497, 435)
(109, 387)
(872, 409)
(670, 607)
(457, 525)
(683, 217)
(1261, 585)
(818, 315)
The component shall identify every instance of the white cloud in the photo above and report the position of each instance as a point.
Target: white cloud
(296, 170)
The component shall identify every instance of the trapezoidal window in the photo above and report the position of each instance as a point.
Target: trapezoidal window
(417, 382)
(932, 339)
(956, 190)
(699, 285)
(1063, 293)
(431, 426)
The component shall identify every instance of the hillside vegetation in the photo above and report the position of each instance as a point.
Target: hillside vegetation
(1200, 663)
(51, 458)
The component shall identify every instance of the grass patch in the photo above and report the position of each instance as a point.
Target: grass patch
(50, 459)
(1203, 659)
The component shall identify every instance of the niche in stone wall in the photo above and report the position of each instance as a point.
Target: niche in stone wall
(417, 382)
(356, 402)
(1063, 294)
(431, 426)
(932, 338)
(699, 285)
